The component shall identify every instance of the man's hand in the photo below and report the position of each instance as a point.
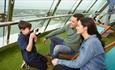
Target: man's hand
(54, 61)
(45, 41)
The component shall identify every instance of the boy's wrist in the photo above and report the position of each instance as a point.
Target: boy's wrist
(31, 38)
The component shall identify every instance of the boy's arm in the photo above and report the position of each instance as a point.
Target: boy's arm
(30, 44)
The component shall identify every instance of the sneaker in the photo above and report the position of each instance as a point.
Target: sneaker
(24, 65)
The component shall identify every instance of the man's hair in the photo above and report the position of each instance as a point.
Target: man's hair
(78, 16)
(24, 24)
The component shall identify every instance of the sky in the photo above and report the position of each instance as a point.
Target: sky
(35, 4)
(45, 4)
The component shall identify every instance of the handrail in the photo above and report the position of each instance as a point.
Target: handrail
(35, 19)
(2, 24)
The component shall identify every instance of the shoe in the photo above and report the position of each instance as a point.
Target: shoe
(24, 65)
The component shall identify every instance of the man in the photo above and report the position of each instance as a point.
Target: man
(72, 41)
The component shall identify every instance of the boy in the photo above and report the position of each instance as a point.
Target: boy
(26, 41)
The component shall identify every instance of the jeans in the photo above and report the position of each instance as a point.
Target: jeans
(57, 47)
(40, 62)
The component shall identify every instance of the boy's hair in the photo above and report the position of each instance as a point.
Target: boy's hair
(78, 16)
(24, 24)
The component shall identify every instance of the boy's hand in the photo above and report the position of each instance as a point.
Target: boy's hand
(45, 41)
(33, 36)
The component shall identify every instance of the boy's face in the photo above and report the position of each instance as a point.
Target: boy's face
(25, 31)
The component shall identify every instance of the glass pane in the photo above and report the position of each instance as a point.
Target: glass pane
(76, 4)
(14, 34)
(56, 23)
(2, 36)
(85, 5)
(44, 25)
(33, 4)
(26, 9)
(104, 16)
(1, 31)
(65, 6)
(14, 29)
(2, 2)
(1, 6)
(98, 4)
(89, 4)
(39, 24)
(53, 4)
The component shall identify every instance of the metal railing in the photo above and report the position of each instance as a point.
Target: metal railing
(5, 24)
(2, 24)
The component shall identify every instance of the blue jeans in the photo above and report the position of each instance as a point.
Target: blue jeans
(57, 47)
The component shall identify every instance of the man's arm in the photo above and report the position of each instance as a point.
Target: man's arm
(56, 32)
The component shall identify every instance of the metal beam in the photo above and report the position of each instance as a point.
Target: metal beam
(73, 6)
(4, 19)
(101, 10)
(77, 6)
(51, 5)
(52, 14)
(48, 13)
(103, 7)
(2, 24)
(9, 17)
(73, 11)
(91, 6)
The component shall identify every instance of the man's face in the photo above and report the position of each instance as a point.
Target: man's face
(73, 22)
(25, 31)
